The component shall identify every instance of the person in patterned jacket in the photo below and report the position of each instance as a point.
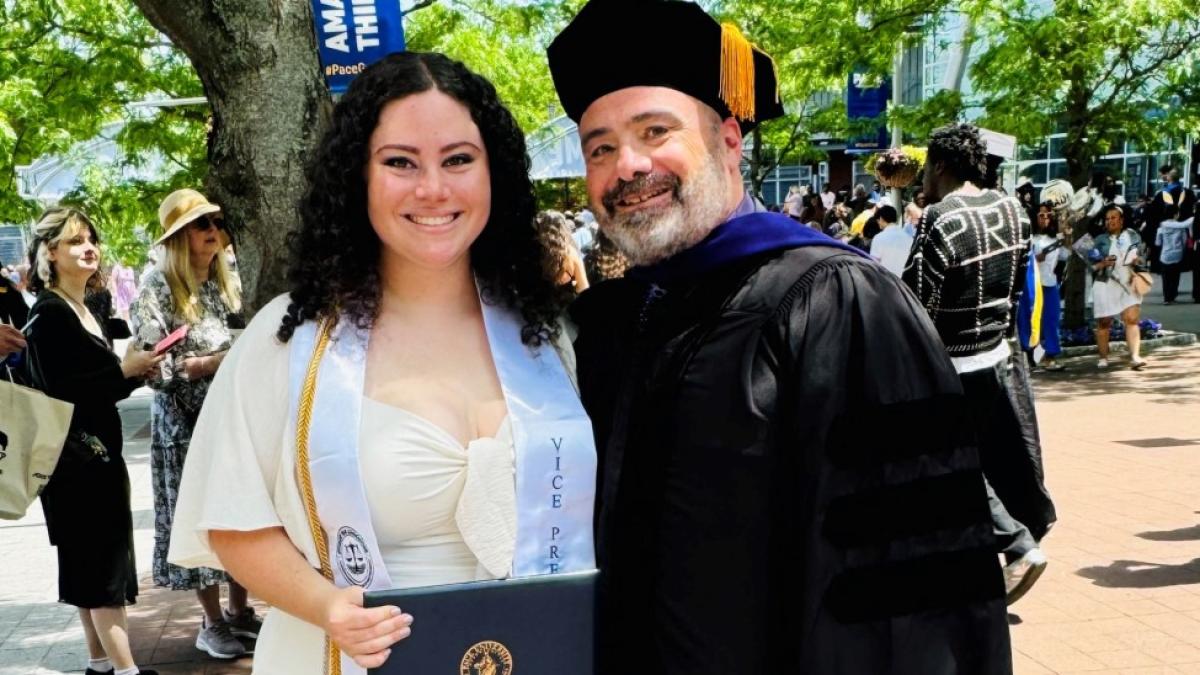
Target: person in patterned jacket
(967, 267)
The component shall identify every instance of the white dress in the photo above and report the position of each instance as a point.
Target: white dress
(240, 471)
(1111, 297)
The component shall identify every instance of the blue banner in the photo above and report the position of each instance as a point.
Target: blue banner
(353, 34)
(867, 98)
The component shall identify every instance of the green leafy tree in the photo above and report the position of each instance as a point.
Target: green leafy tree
(1099, 72)
(70, 67)
(815, 46)
(563, 194)
(501, 40)
(125, 210)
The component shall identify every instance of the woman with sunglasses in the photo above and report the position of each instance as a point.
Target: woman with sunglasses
(192, 286)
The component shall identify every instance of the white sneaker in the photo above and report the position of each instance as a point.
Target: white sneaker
(1021, 574)
(1102, 363)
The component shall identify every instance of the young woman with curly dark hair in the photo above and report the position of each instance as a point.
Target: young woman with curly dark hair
(420, 350)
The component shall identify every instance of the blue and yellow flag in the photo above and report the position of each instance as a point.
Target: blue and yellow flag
(1029, 308)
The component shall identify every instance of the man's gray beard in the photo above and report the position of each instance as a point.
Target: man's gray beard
(652, 235)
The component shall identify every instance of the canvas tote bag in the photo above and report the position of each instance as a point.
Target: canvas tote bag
(33, 429)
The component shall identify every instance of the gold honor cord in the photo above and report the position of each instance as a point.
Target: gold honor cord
(333, 660)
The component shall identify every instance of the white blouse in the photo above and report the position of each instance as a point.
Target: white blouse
(428, 495)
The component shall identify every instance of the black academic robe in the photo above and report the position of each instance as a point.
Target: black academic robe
(12, 304)
(14, 312)
(1156, 213)
(787, 481)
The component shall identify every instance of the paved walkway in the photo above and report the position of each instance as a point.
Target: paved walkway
(1183, 317)
(1122, 455)
(38, 636)
(1121, 595)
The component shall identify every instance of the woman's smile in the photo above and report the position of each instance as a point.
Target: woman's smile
(434, 221)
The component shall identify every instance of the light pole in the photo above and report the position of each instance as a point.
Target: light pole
(897, 133)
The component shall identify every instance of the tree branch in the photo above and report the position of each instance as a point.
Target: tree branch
(1123, 56)
(97, 36)
(26, 46)
(909, 15)
(1137, 76)
(420, 5)
(470, 7)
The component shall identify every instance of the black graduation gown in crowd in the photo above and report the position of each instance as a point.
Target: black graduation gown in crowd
(100, 303)
(1181, 197)
(14, 312)
(86, 501)
(787, 481)
(12, 304)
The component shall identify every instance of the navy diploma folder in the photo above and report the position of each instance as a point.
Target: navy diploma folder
(542, 625)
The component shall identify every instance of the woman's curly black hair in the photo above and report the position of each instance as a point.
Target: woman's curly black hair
(335, 254)
(961, 151)
(605, 261)
(554, 234)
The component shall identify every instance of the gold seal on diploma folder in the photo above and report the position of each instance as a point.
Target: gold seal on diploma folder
(486, 658)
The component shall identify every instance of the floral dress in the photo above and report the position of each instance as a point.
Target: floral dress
(176, 405)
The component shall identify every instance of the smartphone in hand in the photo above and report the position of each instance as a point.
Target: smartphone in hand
(171, 340)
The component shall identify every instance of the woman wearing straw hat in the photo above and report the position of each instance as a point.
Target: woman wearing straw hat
(191, 287)
(86, 501)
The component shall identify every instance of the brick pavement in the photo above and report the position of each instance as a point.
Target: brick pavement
(1122, 456)
(38, 636)
(1121, 595)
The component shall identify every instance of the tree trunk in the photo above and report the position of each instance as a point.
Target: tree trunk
(258, 62)
(1078, 154)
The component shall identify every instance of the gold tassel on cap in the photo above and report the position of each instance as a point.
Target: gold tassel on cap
(737, 72)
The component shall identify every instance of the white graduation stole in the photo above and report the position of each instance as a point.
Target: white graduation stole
(552, 436)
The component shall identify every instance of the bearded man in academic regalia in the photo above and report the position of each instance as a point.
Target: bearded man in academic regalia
(787, 481)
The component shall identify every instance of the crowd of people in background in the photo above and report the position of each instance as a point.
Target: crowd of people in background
(855, 216)
(1156, 233)
(73, 311)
